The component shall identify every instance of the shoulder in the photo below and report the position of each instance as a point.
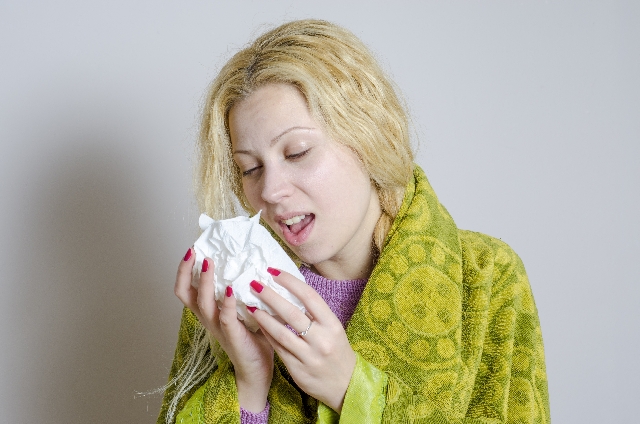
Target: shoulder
(497, 298)
(492, 264)
(482, 251)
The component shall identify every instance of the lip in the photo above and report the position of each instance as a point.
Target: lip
(289, 215)
(295, 239)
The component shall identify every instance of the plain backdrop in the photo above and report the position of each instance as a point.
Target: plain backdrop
(525, 114)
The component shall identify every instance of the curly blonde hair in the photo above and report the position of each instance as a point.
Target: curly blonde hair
(345, 89)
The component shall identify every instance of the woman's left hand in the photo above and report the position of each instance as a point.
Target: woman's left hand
(322, 361)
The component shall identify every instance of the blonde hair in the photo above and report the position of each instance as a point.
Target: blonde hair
(346, 91)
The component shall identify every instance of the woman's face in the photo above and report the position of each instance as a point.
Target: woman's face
(313, 191)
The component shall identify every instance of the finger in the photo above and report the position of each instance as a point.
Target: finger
(282, 352)
(294, 351)
(312, 301)
(282, 307)
(183, 289)
(281, 337)
(206, 291)
(228, 317)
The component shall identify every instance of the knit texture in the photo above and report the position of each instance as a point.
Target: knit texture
(248, 417)
(448, 316)
(341, 296)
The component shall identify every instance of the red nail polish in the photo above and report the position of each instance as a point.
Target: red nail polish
(273, 271)
(187, 255)
(205, 265)
(251, 309)
(256, 286)
(229, 291)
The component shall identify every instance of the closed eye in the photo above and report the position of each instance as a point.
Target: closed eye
(298, 155)
(248, 172)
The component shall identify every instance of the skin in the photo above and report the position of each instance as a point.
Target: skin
(292, 167)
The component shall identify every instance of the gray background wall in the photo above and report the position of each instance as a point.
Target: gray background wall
(527, 115)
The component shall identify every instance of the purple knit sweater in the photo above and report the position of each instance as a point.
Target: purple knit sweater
(341, 296)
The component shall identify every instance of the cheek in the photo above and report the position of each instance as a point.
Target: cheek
(252, 195)
(349, 181)
(324, 185)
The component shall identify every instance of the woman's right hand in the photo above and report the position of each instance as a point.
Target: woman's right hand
(250, 353)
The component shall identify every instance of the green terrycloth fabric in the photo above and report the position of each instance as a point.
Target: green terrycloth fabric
(447, 315)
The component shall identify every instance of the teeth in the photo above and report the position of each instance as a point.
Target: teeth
(294, 220)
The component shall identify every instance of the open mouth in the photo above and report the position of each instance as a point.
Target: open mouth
(298, 223)
(296, 229)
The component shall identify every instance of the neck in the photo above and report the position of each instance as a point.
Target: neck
(346, 268)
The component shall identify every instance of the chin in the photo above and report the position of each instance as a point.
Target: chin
(308, 255)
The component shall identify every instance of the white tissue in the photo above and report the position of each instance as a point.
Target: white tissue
(241, 250)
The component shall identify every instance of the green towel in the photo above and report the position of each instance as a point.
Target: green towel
(447, 315)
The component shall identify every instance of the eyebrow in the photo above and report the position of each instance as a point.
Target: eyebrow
(275, 139)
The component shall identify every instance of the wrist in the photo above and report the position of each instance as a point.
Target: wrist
(253, 392)
(335, 398)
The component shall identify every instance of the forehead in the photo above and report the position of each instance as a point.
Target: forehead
(267, 112)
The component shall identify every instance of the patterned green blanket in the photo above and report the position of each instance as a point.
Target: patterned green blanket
(447, 315)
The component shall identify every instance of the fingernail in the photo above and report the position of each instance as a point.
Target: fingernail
(273, 271)
(256, 286)
(251, 309)
(229, 291)
(205, 266)
(187, 255)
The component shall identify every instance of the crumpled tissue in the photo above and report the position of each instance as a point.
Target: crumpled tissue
(241, 250)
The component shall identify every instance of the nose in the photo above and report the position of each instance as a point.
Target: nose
(276, 184)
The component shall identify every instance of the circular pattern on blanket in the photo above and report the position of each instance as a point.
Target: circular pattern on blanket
(417, 253)
(520, 399)
(419, 210)
(397, 332)
(440, 387)
(437, 255)
(427, 301)
(385, 282)
(502, 257)
(381, 309)
(419, 348)
(399, 265)
(521, 362)
(446, 348)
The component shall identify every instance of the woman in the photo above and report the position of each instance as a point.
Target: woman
(409, 318)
